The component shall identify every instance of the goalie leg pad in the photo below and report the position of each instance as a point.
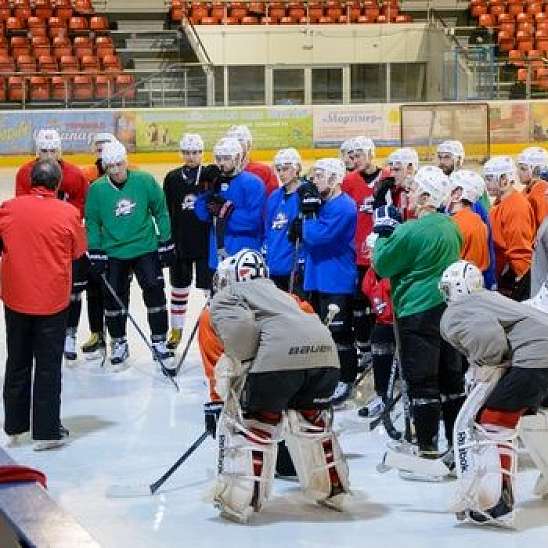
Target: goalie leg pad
(533, 432)
(321, 467)
(246, 464)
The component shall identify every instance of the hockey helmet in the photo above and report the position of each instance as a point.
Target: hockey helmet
(113, 154)
(330, 170)
(404, 157)
(346, 146)
(534, 158)
(452, 147)
(497, 166)
(48, 139)
(242, 134)
(287, 157)
(364, 144)
(245, 265)
(460, 279)
(431, 181)
(191, 142)
(471, 183)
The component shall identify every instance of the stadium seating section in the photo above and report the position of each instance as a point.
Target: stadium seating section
(288, 13)
(58, 50)
(521, 31)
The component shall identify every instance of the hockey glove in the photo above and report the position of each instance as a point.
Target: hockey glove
(208, 177)
(385, 220)
(310, 199)
(212, 412)
(167, 253)
(295, 230)
(98, 262)
(383, 185)
(219, 207)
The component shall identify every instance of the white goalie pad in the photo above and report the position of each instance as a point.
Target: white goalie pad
(245, 467)
(477, 452)
(533, 432)
(225, 370)
(315, 451)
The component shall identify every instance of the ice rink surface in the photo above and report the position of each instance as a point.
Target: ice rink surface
(129, 427)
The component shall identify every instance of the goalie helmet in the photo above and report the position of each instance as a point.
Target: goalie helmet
(287, 156)
(332, 169)
(191, 142)
(48, 139)
(452, 147)
(460, 279)
(363, 144)
(242, 134)
(245, 265)
(405, 157)
(471, 183)
(497, 166)
(431, 180)
(113, 153)
(535, 158)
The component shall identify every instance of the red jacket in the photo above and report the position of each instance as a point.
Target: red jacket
(377, 290)
(42, 236)
(266, 174)
(73, 189)
(361, 192)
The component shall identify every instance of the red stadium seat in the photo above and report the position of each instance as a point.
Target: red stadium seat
(68, 63)
(78, 23)
(3, 95)
(47, 63)
(296, 10)
(82, 88)
(257, 8)
(125, 86)
(83, 7)
(43, 9)
(99, 24)
(111, 63)
(333, 10)
(218, 11)
(89, 63)
(487, 20)
(39, 88)
(104, 86)
(524, 41)
(26, 63)
(515, 57)
(276, 10)
(16, 88)
(287, 21)
(14, 25)
(22, 9)
(209, 21)
(7, 64)
(250, 20)
(505, 40)
(61, 88)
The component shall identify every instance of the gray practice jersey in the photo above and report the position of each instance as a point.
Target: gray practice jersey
(257, 321)
(539, 266)
(490, 329)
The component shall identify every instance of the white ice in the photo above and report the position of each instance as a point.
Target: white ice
(131, 426)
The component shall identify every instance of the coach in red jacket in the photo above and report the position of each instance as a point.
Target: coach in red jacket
(40, 236)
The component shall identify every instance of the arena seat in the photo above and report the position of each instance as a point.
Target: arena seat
(14, 25)
(68, 63)
(21, 9)
(16, 88)
(125, 86)
(26, 63)
(111, 63)
(99, 24)
(47, 63)
(78, 24)
(89, 63)
(82, 87)
(61, 89)
(38, 88)
(20, 45)
(43, 9)
(104, 86)
(83, 7)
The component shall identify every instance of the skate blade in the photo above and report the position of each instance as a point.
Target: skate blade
(503, 522)
(70, 363)
(94, 356)
(118, 367)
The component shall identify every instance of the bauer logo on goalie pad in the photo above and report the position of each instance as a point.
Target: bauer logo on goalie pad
(310, 349)
(124, 207)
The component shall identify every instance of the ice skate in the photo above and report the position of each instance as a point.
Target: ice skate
(70, 345)
(162, 353)
(342, 392)
(95, 347)
(502, 514)
(119, 354)
(428, 454)
(174, 338)
(373, 409)
(45, 445)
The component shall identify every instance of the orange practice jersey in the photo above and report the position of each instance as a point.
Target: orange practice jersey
(513, 227)
(475, 247)
(211, 346)
(536, 196)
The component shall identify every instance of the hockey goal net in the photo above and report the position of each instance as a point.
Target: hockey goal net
(425, 126)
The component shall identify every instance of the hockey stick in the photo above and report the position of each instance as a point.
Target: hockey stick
(189, 342)
(142, 490)
(293, 274)
(139, 330)
(332, 310)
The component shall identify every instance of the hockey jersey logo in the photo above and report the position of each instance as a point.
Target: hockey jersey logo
(124, 207)
(280, 221)
(188, 202)
(367, 205)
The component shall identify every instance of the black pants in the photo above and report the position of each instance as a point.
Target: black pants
(363, 319)
(40, 339)
(180, 274)
(96, 305)
(382, 349)
(80, 269)
(282, 282)
(151, 280)
(433, 371)
(341, 329)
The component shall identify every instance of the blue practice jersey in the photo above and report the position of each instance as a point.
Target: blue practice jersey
(489, 276)
(330, 257)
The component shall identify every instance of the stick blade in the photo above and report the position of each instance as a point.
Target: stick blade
(128, 491)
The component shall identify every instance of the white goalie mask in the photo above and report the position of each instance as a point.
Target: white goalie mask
(245, 265)
(460, 279)
(470, 182)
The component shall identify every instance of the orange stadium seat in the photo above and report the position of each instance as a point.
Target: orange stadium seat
(64, 12)
(35, 22)
(524, 40)
(276, 10)
(296, 10)
(89, 63)
(111, 63)
(68, 63)
(541, 39)
(333, 9)
(534, 56)
(60, 88)
(507, 27)
(505, 40)
(534, 9)
(38, 88)
(524, 18)
(218, 11)
(5, 11)
(287, 20)
(84, 7)
(16, 88)
(209, 21)
(238, 10)
(14, 25)
(99, 24)
(269, 20)
(82, 87)
(125, 86)
(22, 9)
(2, 89)
(47, 63)
(7, 64)
(257, 8)
(505, 18)
(78, 24)
(43, 9)
(26, 63)
(249, 20)
(230, 21)
(104, 86)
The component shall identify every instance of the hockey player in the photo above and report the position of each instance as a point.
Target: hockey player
(233, 205)
(327, 230)
(414, 257)
(124, 210)
(463, 186)
(506, 344)
(359, 185)
(530, 163)
(346, 157)
(73, 189)
(513, 226)
(282, 208)
(281, 361)
(96, 170)
(181, 188)
(264, 172)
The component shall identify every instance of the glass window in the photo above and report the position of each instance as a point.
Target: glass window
(368, 83)
(246, 85)
(407, 82)
(219, 86)
(288, 86)
(326, 85)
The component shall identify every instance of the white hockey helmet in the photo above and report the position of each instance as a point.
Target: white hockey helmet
(405, 157)
(460, 279)
(191, 142)
(535, 158)
(245, 265)
(228, 146)
(113, 153)
(540, 300)
(431, 180)
(364, 144)
(332, 169)
(48, 139)
(452, 147)
(288, 156)
(497, 166)
(346, 147)
(471, 183)
(101, 138)
(242, 134)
